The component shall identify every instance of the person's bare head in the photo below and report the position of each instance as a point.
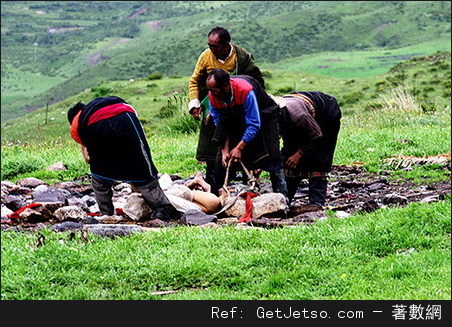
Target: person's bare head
(218, 84)
(218, 41)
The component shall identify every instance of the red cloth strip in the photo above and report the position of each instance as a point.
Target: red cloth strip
(109, 111)
(248, 215)
(16, 214)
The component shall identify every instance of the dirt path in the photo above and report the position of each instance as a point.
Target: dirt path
(98, 56)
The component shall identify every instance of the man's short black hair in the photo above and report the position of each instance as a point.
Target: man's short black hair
(74, 110)
(220, 76)
(223, 34)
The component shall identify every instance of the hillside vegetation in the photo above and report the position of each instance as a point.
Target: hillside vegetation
(393, 87)
(53, 50)
(405, 111)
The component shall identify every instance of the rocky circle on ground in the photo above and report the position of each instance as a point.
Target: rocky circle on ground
(32, 204)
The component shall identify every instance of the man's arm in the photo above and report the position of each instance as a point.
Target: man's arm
(85, 153)
(252, 117)
(253, 125)
(309, 131)
(194, 84)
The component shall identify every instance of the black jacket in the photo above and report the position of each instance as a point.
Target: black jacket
(117, 146)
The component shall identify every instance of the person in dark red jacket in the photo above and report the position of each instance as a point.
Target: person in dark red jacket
(116, 148)
(309, 124)
(246, 125)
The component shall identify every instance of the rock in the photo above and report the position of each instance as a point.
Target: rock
(428, 199)
(35, 215)
(351, 184)
(112, 230)
(121, 186)
(31, 182)
(51, 194)
(376, 186)
(73, 213)
(56, 166)
(156, 223)
(94, 208)
(196, 217)
(342, 214)
(394, 198)
(302, 208)
(314, 215)
(13, 202)
(6, 211)
(9, 188)
(89, 220)
(67, 225)
(136, 208)
(263, 204)
(369, 206)
(271, 222)
(76, 189)
(88, 200)
(8, 185)
(228, 220)
(110, 219)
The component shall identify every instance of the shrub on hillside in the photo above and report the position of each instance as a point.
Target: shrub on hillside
(154, 76)
(100, 91)
(284, 90)
(351, 98)
(13, 168)
(182, 122)
(167, 110)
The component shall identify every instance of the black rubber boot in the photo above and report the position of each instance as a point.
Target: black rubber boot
(317, 190)
(210, 173)
(279, 184)
(156, 199)
(292, 186)
(104, 194)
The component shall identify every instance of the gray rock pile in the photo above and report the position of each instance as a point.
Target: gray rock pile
(32, 204)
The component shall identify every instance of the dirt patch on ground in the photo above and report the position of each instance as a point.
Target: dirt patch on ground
(353, 189)
(98, 56)
(155, 25)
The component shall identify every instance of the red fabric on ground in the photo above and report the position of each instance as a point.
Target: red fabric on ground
(247, 216)
(16, 214)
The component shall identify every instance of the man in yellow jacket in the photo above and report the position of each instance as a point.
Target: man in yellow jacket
(233, 59)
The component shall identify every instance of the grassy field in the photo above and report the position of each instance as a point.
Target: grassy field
(405, 111)
(398, 254)
(392, 253)
(357, 64)
(132, 39)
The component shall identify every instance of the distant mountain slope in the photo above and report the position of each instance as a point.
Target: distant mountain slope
(73, 45)
(427, 79)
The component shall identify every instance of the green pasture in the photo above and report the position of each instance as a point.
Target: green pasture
(390, 254)
(277, 32)
(357, 64)
(403, 112)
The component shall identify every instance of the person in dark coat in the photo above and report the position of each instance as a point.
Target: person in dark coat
(246, 124)
(309, 125)
(115, 146)
(224, 54)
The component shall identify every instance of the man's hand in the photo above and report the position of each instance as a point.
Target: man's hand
(236, 154)
(293, 160)
(225, 158)
(196, 112)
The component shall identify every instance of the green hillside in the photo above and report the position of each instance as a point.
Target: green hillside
(404, 111)
(54, 50)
